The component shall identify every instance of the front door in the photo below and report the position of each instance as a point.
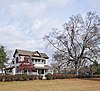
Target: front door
(40, 71)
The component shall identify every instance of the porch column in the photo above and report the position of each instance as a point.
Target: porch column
(14, 71)
(44, 71)
(37, 72)
(27, 72)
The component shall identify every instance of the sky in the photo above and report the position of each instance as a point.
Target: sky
(24, 23)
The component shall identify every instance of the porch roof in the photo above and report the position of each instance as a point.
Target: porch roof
(9, 68)
(45, 67)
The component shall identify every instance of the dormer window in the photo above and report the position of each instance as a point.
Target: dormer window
(36, 54)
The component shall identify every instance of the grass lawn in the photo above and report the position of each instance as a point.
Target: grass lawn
(52, 85)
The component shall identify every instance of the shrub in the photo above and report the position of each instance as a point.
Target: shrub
(40, 77)
(69, 76)
(19, 77)
(96, 76)
(64, 76)
(49, 76)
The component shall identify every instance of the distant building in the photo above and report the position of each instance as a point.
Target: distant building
(28, 62)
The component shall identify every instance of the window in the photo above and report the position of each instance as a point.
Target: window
(17, 69)
(12, 62)
(41, 71)
(44, 62)
(39, 61)
(35, 60)
(16, 59)
(46, 70)
(25, 71)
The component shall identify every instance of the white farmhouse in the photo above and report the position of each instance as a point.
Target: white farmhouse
(27, 59)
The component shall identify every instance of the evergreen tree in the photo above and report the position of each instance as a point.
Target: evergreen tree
(3, 57)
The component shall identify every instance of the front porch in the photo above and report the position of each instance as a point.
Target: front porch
(29, 70)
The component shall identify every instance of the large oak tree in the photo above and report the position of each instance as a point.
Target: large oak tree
(79, 39)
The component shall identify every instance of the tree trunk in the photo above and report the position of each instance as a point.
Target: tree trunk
(77, 72)
(76, 69)
(58, 69)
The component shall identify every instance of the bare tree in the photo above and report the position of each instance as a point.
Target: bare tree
(58, 61)
(79, 40)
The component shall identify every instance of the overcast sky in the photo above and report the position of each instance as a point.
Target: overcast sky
(23, 23)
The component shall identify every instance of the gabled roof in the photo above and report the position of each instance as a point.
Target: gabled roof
(30, 53)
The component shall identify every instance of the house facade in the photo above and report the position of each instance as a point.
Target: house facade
(28, 62)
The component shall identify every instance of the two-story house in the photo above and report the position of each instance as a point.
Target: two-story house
(28, 62)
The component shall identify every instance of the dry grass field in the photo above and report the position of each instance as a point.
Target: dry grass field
(52, 85)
